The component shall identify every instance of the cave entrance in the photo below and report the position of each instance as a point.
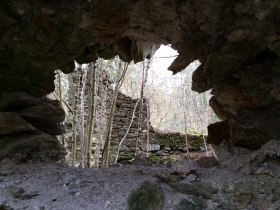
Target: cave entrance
(118, 112)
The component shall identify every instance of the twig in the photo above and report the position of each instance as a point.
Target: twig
(127, 131)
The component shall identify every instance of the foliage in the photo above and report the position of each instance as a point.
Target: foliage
(154, 159)
(171, 98)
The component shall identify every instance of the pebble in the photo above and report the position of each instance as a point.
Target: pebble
(191, 177)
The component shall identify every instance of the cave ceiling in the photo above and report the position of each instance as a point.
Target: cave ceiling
(237, 43)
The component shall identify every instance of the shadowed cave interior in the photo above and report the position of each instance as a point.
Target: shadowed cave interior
(237, 43)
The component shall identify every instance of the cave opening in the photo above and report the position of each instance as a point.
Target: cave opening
(238, 46)
(156, 114)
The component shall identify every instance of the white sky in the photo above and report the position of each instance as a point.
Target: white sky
(160, 65)
(159, 73)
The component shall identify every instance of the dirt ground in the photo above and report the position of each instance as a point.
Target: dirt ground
(44, 186)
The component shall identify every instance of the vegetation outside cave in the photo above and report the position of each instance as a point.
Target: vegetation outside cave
(171, 106)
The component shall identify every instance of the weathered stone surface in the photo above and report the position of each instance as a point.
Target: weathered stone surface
(218, 132)
(246, 135)
(188, 205)
(39, 146)
(153, 147)
(149, 196)
(197, 189)
(185, 167)
(45, 111)
(16, 100)
(249, 195)
(45, 116)
(11, 123)
(265, 161)
(237, 42)
(207, 162)
(23, 121)
(222, 111)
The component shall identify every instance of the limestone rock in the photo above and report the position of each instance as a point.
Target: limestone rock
(247, 136)
(16, 100)
(188, 205)
(218, 132)
(222, 111)
(153, 147)
(148, 196)
(237, 43)
(11, 123)
(44, 111)
(197, 189)
(191, 178)
(185, 166)
(45, 116)
(39, 146)
(265, 161)
(207, 162)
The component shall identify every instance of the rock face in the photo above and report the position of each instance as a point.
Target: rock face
(149, 196)
(237, 42)
(27, 125)
(253, 185)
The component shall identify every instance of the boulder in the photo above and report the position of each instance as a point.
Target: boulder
(38, 146)
(153, 147)
(148, 196)
(218, 132)
(44, 111)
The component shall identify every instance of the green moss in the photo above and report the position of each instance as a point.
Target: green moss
(124, 157)
(196, 143)
(169, 161)
(176, 140)
(148, 196)
(195, 139)
(170, 140)
(154, 159)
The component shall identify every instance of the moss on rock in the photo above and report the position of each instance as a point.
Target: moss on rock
(148, 196)
(155, 159)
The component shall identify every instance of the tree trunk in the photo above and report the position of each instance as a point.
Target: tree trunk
(74, 101)
(61, 101)
(185, 116)
(140, 121)
(82, 115)
(91, 112)
(106, 150)
(148, 129)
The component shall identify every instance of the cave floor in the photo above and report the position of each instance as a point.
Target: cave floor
(58, 186)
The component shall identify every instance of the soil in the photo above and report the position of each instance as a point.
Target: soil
(58, 186)
(44, 186)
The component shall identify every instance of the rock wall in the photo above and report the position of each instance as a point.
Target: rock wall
(160, 146)
(127, 123)
(122, 118)
(237, 42)
(28, 126)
